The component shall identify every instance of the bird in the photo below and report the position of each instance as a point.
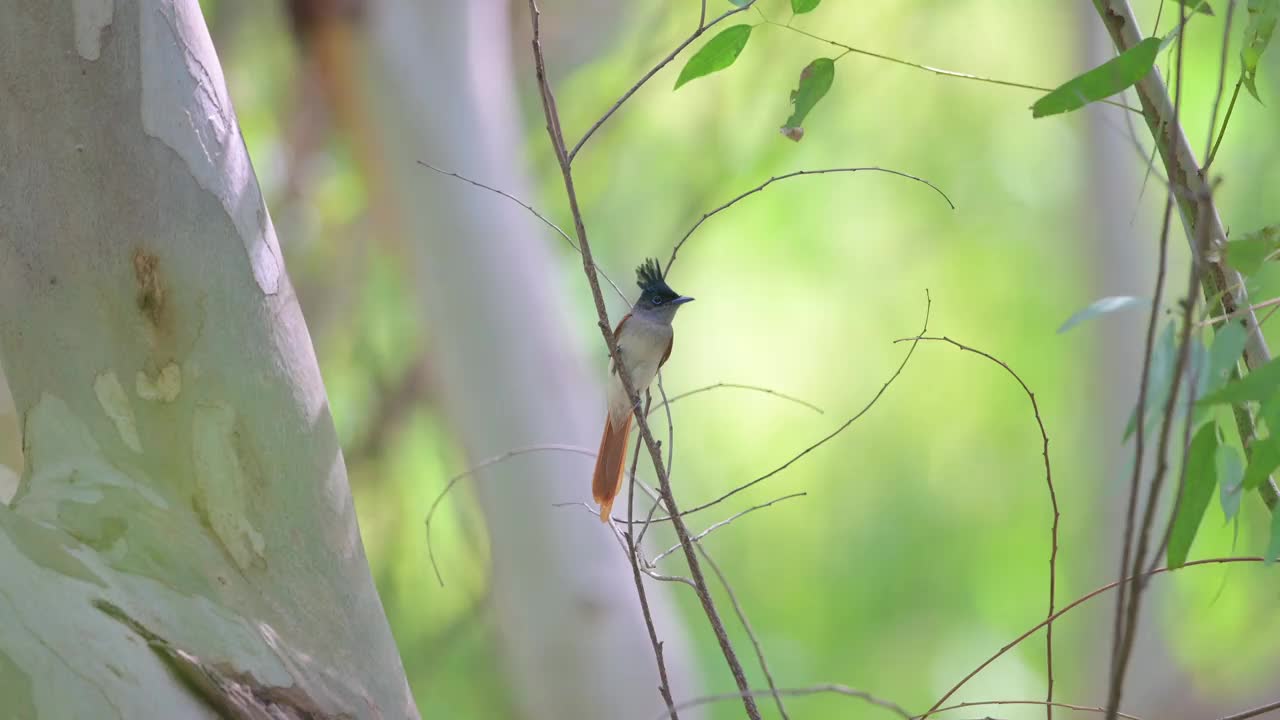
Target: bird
(644, 337)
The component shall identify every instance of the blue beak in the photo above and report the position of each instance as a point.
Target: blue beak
(681, 300)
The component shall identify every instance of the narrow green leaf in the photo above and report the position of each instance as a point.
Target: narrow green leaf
(1101, 82)
(1163, 355)
(740, 3)
(1100, 307)
(1257, 35)
(803, 6)
(1257, 386)
(1224, 356)
(718, 54)
(1198, 480)
(1230, 480)
(815, 81)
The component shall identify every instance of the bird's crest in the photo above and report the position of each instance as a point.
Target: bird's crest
(649, 279)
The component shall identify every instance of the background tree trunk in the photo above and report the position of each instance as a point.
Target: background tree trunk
(184, 511)
(509, 367)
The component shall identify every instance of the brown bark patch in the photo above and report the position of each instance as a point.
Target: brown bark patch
(152, 295)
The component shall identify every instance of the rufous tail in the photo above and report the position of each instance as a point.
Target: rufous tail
(610, 462)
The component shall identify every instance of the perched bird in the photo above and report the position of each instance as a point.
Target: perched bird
(644, 343)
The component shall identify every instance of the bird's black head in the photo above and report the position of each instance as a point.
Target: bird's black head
(654, 290)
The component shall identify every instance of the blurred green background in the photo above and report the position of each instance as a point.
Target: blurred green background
(922, 544)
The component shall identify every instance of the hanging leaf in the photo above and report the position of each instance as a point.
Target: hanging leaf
(1100, 307)
(1161, 374)
(1257, 35)
(1258, 386)
(1109, 78)
(803, 6)
(718, 54)
(1224, 357)
(1249, 252)
(1230, 480)
(815, 81)
(1198, 480)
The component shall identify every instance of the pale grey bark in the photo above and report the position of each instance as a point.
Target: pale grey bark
(184, 491)
(510, 363)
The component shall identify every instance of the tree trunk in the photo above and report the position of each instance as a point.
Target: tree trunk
(182, 543)
(510, 367)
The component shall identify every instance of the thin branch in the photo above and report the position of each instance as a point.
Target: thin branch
(556, 136)
(703, 26)
(798, 692)
(753, 388)
(526, 206)
(1065, 706)
(1238, 313)
(664, 685)
(746, 627)
(1053, 501)
(1213, 153)
(724, 522)
(929, 68)
(1222, 80)
(1255, 712)
(799, 173)
(937, 707)
(824, 440)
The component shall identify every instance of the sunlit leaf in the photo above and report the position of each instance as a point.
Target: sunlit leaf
(1257, 386)
(718, 54)
(1257, 35)
(1198, 480)
(1230, 480)
(1199, 6)
(1163, 355)
(1100, 307)
(1106, 80)
(815, 81)
(803, 6)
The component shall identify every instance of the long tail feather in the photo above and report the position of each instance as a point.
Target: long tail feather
(610, 463)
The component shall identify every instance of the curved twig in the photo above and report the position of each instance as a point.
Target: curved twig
(724, 522)
(799, 173)
(738, 386)
(812, 690)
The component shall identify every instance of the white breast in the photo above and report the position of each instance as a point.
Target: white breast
(642, 343)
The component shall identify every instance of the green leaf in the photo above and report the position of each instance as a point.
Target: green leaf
(1163, 355)
(815, 81)
(1224, 356)
(1198, 480)
(1258, 386)
(1257, 35)
(1106, 80)
(1199, 6)
(740, 3)
(803, 6)
(1100, 307)
(718, 54)
(1230, 480)
(1273, 547)
(1249, 252)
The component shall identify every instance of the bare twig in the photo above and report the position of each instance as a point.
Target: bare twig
(1255, 712)
(526, 206)
(664, 685)
(812, 690)
(1065, 706)
(746, 627)
(703, 26)
(1066, 609)
(866, 408)
(799, 173)
(1053, 502)
(753, 388)
(556, 136)
(724, 522)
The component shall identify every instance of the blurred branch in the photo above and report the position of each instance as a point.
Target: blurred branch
(799, 692)
(937, 707)
(394, 402)
(556, 136)
(799, 173)
(1255, 712)
(703, 26)
(1053, 502)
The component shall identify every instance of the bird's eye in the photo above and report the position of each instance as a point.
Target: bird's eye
(656, 300)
